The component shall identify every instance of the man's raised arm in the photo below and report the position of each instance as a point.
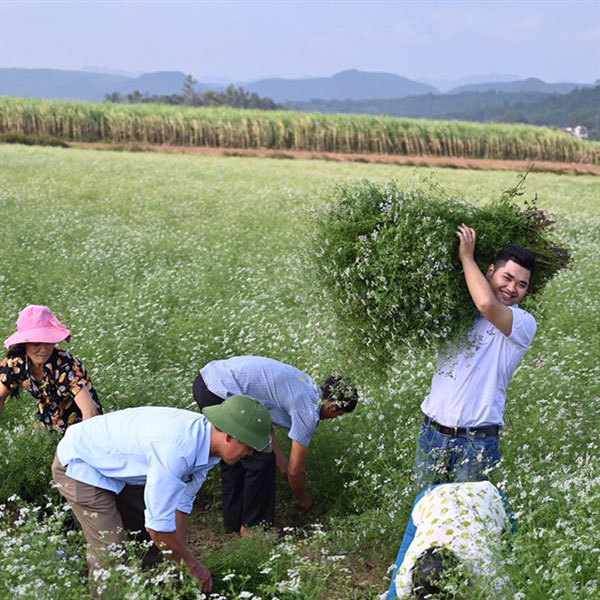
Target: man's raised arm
(481, 292)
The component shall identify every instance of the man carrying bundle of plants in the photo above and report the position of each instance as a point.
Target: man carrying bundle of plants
(464, 410)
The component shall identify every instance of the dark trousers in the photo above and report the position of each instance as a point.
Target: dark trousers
(248, 487)
(202, 395)
(249, 491)
(130, 504)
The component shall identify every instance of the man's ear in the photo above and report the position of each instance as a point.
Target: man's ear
(332, 410)
(490, 271)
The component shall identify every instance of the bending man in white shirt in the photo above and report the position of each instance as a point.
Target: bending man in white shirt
(165, 453)
(464, 410)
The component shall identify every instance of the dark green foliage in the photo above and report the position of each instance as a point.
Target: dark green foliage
(25, 469)
(31, 140)
(579, 107)
(230, 96)
(388, 257)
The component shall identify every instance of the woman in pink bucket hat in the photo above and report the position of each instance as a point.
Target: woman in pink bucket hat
(54, 377)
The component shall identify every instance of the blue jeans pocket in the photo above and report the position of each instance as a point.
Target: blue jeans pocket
(487, 448)
(433, 457)
(479, 458)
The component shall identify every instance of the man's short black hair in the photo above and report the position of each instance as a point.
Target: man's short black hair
(431, 571)
(520, 255)
(341, 391)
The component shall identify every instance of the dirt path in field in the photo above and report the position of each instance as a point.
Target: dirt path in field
(421, 161)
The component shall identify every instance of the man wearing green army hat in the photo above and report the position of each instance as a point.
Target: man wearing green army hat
(141, 468)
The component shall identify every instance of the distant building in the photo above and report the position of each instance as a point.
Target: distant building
(579, 131)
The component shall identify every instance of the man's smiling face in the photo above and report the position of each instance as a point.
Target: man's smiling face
(509, 282)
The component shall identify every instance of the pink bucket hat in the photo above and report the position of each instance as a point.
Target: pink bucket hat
(37, 324)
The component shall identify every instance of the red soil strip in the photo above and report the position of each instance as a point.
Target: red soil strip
(563, 168)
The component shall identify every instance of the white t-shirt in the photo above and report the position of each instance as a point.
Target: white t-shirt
(467, 518)
(469, 388)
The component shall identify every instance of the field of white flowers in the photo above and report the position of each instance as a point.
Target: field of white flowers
(160, 263)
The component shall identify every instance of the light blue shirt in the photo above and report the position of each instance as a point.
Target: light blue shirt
(164, 449)
(292, 398)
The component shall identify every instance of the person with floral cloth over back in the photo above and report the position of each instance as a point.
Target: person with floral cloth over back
(54, 377)
(453, 527)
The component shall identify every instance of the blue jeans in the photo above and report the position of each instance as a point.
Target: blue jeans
(443, 458)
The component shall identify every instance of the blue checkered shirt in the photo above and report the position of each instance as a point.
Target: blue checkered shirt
(292, 398)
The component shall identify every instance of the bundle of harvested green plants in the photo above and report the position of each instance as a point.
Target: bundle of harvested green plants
(388, 257)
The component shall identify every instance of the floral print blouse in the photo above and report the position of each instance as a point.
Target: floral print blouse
(64, 376)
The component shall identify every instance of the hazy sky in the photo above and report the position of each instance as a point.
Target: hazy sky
(556, 41)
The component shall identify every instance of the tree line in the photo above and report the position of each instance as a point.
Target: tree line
(579, 107)
(233, 96)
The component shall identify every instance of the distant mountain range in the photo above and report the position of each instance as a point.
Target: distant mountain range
(353, 84)
(85, 85)
(532, 84)
(347, 85)
(445, 85)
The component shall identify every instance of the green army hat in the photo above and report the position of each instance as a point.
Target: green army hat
(245, 419)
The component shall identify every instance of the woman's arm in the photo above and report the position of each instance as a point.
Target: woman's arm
(409, 536)
(86, 404)
(11, 378)
(4, 393)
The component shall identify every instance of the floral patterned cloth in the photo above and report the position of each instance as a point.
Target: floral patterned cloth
(467, 518)
(64, 376)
